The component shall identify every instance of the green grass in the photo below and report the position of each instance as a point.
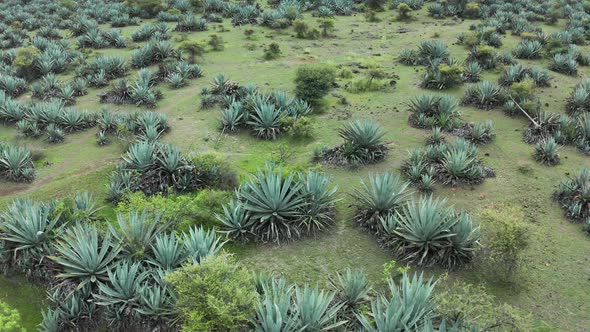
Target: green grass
(24, 297)
(556, 290)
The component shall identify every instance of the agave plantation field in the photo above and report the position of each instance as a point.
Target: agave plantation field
(341, 165)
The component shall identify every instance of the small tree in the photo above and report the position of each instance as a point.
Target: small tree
(300, 28)
(404, 11)
(248, 33)
(375, 4)
(312, 82)
(507, 238)
(24, 60)
(216, 43)
(272, 51)
(326, 25)
(193, 48)
(215, 295)
(145, 8)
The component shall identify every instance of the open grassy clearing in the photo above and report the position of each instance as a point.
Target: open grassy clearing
(555, 288)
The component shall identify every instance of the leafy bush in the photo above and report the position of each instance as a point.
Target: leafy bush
(442, 76)
(473, 307)
(507, 236)
(215, 295)
(312, 82)
(272, 51)
(178, 211)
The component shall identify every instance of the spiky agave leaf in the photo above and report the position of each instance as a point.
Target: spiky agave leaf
(274, 202)
(364, 139)
(318, 214)
(136, 232)
(29, 226)
(383, 195)
(83, 256)
(266, 121)
(158, 302)
(546, 152)
(352, 288)
(141, 156)
(85, 207)
(231, 117)
(16, 163)
(425, 229)
(274, 312)
(167, 252)
(199, 243)
(464, 241)
(122, 291)
(315, 310)
(403, 307)
(236, 222)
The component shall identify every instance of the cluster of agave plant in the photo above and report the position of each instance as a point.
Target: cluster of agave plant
(51, 119)
(450, 163)
(16, 163)
(50, 87)
(154, 167)
(351, 304)
(423, 231)
(551, 130)
(442, 71)
(558, 46)
(112, 275)
(246, 106)
(115, 276)
(439, 112)
(573, 194)
(276, 206)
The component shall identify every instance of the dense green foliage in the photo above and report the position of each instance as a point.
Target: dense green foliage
(215, 295)
(312, 82)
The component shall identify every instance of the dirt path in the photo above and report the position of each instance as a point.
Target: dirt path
(24, 188)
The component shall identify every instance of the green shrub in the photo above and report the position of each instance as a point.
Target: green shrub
(300, 28)
(404, 11)
(472, 307)
(24, 60)
(272, 51)
(506, 237)
(216, 43)
(178, 211)
(215, 295)
(366, 84)
(312, 82)
(10, 320)
(146, 8)
(523, 90)
(298, 127)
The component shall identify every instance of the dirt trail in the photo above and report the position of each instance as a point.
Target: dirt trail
(24, 188)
